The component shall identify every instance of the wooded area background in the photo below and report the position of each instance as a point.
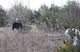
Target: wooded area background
(46, 18)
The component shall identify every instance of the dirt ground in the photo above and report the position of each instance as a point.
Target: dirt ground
(33, 40)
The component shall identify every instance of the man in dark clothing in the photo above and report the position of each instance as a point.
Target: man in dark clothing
(16, 25)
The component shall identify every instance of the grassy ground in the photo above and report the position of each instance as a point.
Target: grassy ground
(33, 40)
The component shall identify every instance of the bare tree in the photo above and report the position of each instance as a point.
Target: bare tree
(21, 12)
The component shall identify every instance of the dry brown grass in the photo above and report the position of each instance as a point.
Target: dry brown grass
(31, 41)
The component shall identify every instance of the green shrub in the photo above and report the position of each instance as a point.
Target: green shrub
(70, 47)
(27, 27)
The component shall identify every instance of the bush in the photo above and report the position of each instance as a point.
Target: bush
(69, 48)
(27, 27)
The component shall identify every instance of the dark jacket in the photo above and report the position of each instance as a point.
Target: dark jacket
(16, 25)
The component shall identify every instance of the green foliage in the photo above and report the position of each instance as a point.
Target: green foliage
(69, 48)
(56, 17)
(27, 27)
(2, 17)
(53, 17)
(48, 17)
(74, 33)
